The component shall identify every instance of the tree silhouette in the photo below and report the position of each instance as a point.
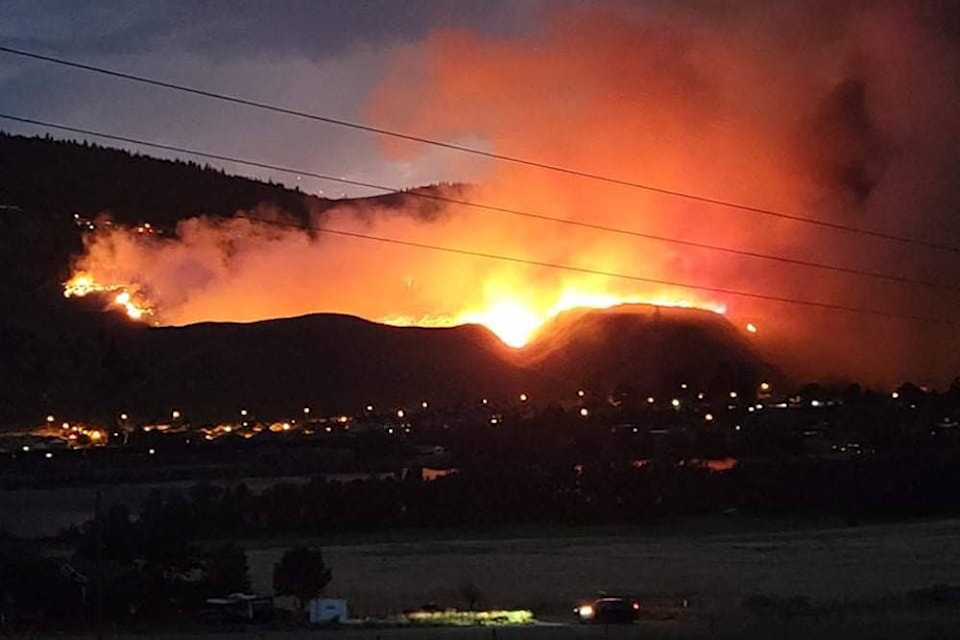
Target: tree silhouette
(301, 573)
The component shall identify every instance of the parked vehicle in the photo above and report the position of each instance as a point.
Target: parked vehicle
(608, 610)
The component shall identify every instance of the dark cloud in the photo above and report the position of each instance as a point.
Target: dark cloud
(227, 28)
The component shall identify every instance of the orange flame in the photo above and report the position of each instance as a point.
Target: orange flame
(83, 284)
(516, 319)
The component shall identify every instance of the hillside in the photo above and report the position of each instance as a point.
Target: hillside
(98, 364)
(67, 358)
(50, 176)
(645, 349)
(333, 362)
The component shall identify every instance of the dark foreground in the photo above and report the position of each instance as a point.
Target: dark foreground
(941, 622)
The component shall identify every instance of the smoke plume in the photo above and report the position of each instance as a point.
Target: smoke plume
(844, 112)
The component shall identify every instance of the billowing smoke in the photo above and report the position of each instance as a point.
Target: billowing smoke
(846, 112)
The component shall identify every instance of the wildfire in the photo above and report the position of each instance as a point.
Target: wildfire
(515, 321)
(83, 284)
(127, 270)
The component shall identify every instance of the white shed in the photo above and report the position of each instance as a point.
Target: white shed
(327, 610)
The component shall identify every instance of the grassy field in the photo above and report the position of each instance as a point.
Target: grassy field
(713, 571)
(939, 625)
(693, 581)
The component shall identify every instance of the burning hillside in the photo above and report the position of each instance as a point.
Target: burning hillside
(503, 303)
(789, 109)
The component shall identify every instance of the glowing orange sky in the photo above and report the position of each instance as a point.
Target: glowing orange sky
(781, 111)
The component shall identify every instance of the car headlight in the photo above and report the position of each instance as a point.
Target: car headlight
(585, 611)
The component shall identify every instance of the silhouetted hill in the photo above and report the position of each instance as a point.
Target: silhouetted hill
(50, 176)
(67, 358)
(59, 177)
(102, 365)
(647, 349)
(328, 361)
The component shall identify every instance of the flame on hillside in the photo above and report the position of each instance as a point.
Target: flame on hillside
(515, 320)
(120, 296)
(781, 106)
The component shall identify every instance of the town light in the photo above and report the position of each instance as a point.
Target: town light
(676, 403)
(306, 410)
(584, 412)
(50, 418)
(175, 414)
(400, 413)
(369, 407)
(651, 400)
(243, 412)
(764, 386)
(523, 397)
(708, 417)
(733, 395)
(751, 328)
(424, 405)
(123, 416)
(581, 393)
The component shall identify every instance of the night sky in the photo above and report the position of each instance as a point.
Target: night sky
(319, 56)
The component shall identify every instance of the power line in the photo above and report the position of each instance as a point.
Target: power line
(596, 272)
(478, 152)
(503, 210)
(499, 257)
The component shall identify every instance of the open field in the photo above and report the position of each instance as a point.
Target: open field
(713, 571)
(874, 626)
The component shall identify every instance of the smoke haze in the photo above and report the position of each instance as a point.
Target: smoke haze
(848, 113)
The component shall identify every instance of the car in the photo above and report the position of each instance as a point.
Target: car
(608, 610)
